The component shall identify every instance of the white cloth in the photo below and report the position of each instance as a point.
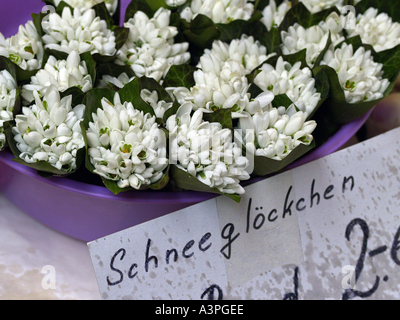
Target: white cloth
(27, 246)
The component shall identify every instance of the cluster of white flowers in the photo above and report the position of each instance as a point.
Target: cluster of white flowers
(269, 134)
(87, 4)
(49, 130)
(206, 151)
(150, 49)
(298, 84)
(273, 15)
(79, 30)
(246, 51)
(62, 74)
(360, 77)
(126, 145)
(25, 48)
(376, 29)
(219, 11)
(221, 82)
(313, 39)
(8, 94)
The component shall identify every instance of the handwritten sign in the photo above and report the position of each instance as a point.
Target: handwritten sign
(327, 230)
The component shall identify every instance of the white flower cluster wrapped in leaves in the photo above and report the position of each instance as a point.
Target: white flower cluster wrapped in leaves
(313, 39)
(49, 130)
(150, 49)
(221, 82)
(8, 95)
(62, 74)
(360, 77)
(219, 11)
(25, 48)
(377, 29)
(126, 145)
(88, 4)
(189, 95)
(298, 84)
(206, 151)
(274, 136)
(78, 30)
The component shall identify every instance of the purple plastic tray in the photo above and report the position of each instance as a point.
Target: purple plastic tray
(88, 212)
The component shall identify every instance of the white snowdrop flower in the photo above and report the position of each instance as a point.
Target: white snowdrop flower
(126, 145)
(246, 51)
(268, 134)
(298, 84)
(313, 39)
(159, 106)
(150, 49)
(175, 3)
(206, 151)
(78, 30)
(219, 11)
(273, 15)
(315, 6)
(360, 77)
(8, 94)
(87, 4)
(119, 81)
(49, 130)
(377, 29)
(62, 74)
(25, 48)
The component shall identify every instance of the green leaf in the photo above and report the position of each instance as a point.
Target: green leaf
(92, 101)
(185, 181)
(102, 12)
(254, 90)
(152, 85)
(163, 182)
(78, 96)
(272, 40)
(282, 100)
(149, 7)
(121, 35)
(323, 87)
(301, 15)
(113, 186)
(264, 166)
(297, 56)
(237, 28)
(180, 76)
(131, 93)
(200, 32)
(391, 61)
(222, 116)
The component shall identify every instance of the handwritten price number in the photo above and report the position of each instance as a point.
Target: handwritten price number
(351, 293)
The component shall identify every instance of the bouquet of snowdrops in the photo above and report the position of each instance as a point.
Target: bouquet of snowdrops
(189, 95)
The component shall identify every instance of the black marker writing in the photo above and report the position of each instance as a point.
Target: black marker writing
(210, 293)
(228, 236)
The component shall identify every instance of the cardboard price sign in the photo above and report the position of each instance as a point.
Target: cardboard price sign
(327, 230)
